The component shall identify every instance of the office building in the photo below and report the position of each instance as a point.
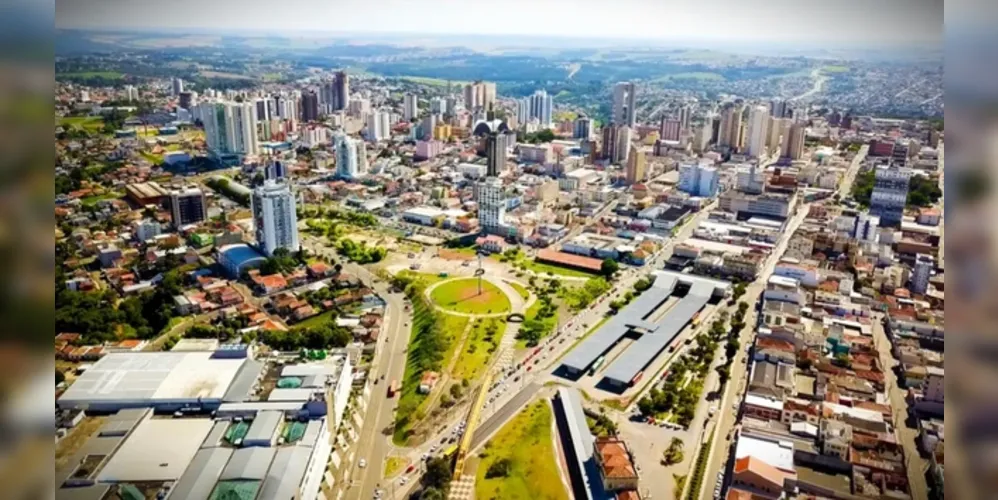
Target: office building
(624, 110)
(698, 179)
(263, 110)
(890, 194)
(479, 96)
(750, 179)
(378, 126)
(495, 152)
(669, 130)
(685, 116)
(778, 109)
(541, 108)
(609, 142)
(623, 147)
(230, 127)
(410, 107)
(188, 206)
(778, 129)
(636, 167)
(729, 131)
(755, 145)
(328, 98)
(438, 105)
(274, 216)
(523, 110)
(793, 144)
(583, 128)
(346, 157)
(185, 100)
(492, 206)
(310, 106)
(131, 93)
(429, 126)
(342, 81)
(178, 86)
(924, 264)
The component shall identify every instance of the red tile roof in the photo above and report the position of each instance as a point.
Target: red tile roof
(615, 459)
(567, 259)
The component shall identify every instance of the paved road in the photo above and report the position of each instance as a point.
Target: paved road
(906, 435)
(389, 363)
(726, 415)
(845, 187)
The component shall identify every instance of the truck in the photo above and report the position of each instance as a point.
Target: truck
(695, 322)
(393, 388)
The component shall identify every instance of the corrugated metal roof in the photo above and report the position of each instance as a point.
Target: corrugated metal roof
(264, 427)
(242, 385)
(248, 464)
(613, 330)
(216, 434)
(312, 432)
(286, 473)
(202, 473)
(644, 350)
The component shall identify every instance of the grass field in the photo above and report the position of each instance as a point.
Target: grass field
(543, 268)
(520, 289)
(92, 200)
(92, 123)
(152, 157)
(394, 465)
(461, 295)
(482, 341)
(317, 320)
(111, 75)
(526, 442)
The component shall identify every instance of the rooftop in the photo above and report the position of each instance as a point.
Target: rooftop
(159, 449)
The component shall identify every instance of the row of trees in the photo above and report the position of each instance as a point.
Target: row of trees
(922, 191)
(360, 252)
(580, 298)
(325, 336)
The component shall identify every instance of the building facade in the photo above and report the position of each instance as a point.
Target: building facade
(275, 217)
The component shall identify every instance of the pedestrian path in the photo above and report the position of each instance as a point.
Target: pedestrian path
(462, 489)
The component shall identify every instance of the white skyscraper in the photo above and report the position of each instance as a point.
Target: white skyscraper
(623, 146)
(541, 108)
(275, 218)
(178, 86)
(698, 178)
(346, 157)
(410, 107)
(230, 127)
(523, 110)
(755, 145)
(131, 93)
(924, 264)
(492, 206)
(623, 104)
(378, 126)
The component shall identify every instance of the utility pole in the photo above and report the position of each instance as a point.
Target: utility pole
(479, 272)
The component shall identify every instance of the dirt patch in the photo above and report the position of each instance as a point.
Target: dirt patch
(448, 254)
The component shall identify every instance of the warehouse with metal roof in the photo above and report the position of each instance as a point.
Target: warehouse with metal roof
(643, 317)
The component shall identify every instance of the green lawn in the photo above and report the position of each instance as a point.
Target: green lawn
(154, 158)
(520, 289)
(317, 320)
(526, 442)
(461, 295)
(91, 123)
(111, 75)
(550, 323)
(92, 200)
(471, 362)
(544, 269)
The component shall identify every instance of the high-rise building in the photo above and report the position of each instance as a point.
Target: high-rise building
(230, 127)
(310, 106)
(492, 206)
(523, 110)
(328, 98)
(495, 152)
(624, 110)
(583, 128)
(609, 142)
(669, 129)
(275, 218)
(924, 264)
(362, 166)
(479, 96)
(438, 105)
(794, 142)
(188, 206)
(685, 116)
(185, 100)
(865, 228)
(346, 157)
(541, 108)
(342, 90)
(263, 109)
(729, 130)
(890, 193)
(378, 126)
(178, 86)
(778, 128)
(410, 107)
(755, 144)
(275, 170)
(623, 147)
(778, 108)
(635, 171)
(750, 179)
(131, 93)
(698, 178)
(429, 125)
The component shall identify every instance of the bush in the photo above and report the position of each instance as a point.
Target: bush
(499, 468)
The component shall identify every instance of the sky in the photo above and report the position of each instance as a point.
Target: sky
(808, 21)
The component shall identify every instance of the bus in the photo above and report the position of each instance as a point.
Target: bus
(393, 388)
(449, 452)
(596, 365)
(637, 378)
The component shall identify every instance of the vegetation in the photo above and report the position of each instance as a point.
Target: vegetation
(609, 268)
(436, 480)
(461, 295)
(483, 340)
(922, 191)
(360, 252)
(539, 320)
(699, 469)
(326, 335)
(674, 454)
(580, 298)
(526, 448)
(282, 261)
(601, 425)
(224, 186)
(538, 137)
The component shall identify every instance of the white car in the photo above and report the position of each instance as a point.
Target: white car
(362, 463)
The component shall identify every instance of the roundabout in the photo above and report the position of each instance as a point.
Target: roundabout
(470, 296)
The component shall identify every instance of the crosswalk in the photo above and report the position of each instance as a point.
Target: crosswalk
(462, 489)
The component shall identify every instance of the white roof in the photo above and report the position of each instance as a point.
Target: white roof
(152, 376)
(763, 402)
(858, 413)
(775, 452)
(581, 172)
(716, 246)
(783, 281)
(159, 449)
(299, 395)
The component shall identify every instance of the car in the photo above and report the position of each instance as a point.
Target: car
(516, 379)
(403, 480)
(362, 463)
(410, 468)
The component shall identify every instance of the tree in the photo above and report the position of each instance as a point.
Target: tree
(499, 468)
(674, 454)
(432, 494)
(609, 268)
(738, 290)
(456, 390)
(438, 474)
(723, 373)
(60, 377)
